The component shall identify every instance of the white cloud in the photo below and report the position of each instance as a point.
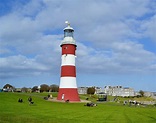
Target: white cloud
(104, 31)
(149, 26)
(20, 66)
(123, 57)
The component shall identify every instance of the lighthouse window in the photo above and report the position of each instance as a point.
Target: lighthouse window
(65, 47)
(68, 33)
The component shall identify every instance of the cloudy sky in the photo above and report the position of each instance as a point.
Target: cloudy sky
(116, 42)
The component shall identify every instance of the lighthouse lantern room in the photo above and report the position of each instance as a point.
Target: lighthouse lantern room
(68, 86)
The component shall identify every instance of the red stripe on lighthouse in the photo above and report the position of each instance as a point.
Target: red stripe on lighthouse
(68, 49)
(70, 94)
(68, 71)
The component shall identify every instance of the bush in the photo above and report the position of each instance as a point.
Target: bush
(91, 90)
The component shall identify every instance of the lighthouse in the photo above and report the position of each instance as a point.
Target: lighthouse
(68, 86)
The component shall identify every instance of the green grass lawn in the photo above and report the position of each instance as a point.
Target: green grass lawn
(43, 111)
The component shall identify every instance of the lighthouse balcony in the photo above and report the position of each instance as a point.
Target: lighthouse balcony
(68, 40)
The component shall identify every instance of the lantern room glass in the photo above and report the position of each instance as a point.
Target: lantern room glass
(68, 33)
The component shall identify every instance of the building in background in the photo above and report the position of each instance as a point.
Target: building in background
(119, 91)
(82, 90)
(110, 90)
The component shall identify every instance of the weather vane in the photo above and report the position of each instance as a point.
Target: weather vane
(67, 22)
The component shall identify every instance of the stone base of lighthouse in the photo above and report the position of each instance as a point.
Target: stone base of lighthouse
(70, 94)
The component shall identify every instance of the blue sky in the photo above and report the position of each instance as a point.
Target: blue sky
(116, 42)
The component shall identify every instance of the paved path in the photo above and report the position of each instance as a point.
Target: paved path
(55, 100)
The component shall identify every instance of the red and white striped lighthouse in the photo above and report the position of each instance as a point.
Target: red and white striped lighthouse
(68, 87)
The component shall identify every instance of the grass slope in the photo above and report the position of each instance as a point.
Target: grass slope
(54, 112)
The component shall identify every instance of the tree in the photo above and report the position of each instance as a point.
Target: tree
(54, 88)
(35, 88)
(91, 90)
(44, 87)
(8, 86)
(24, 89)
(141, 93)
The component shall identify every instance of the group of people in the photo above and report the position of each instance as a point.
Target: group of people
(90, 104)
(131, 102)
(20, 100)
(50, 96)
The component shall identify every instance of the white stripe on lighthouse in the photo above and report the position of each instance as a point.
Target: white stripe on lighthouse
(68, 82)
(68, 59)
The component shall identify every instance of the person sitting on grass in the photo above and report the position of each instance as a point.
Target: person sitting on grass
(30, 100)
(20, 100)
(90, 104)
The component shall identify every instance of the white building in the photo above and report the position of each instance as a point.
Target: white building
(110, 90)
(82, 90)
(148, 94)
(98, 90)
(119, 91)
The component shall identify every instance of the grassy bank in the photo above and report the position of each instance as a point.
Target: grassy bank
(43, 111)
